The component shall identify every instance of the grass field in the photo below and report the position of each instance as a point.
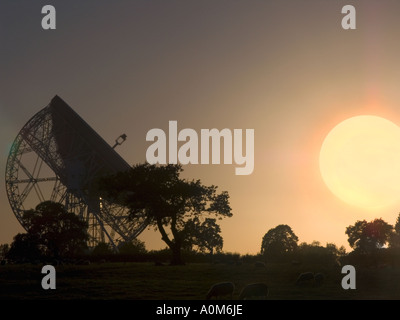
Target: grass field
(145, 281)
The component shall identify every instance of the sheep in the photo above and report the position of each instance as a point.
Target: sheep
(221, 289)
(304, 278)
(254, 290)
(319, 278)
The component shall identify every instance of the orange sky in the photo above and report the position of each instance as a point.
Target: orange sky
(283, 68)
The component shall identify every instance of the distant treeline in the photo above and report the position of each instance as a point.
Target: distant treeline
(305, 253)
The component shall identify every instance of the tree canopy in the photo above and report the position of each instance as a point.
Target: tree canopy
(367, 236)
(279, 240)
(394, 241)
(102, 249)
(203, 236)
(134, 246)
(51, 232)
(166, 201)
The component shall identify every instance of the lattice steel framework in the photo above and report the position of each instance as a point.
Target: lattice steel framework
(57, 156)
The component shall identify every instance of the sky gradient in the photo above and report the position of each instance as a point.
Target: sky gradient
(286, 69)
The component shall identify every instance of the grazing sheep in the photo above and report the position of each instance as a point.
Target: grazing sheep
(255, 291)
(221, 289)
(305, 277)
(319, 278)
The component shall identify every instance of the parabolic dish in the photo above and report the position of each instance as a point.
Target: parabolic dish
(57, 156)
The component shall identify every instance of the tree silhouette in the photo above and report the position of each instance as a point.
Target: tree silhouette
(132, 247)
(368, 236)
(394, 241)
(51, 232)
(205, 236)
(316, 253)
(333, 249)
(165, 200)
(102, 249)
(4, 248)
(25, 247)
(278, 241)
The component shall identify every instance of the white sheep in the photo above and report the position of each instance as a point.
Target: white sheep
(221, 289)
(255, 291)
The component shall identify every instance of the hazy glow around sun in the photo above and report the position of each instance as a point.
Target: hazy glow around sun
(360, 161)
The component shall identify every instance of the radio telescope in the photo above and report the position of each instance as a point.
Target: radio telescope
(58, 157)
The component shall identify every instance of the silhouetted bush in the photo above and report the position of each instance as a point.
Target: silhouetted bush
(378, 258)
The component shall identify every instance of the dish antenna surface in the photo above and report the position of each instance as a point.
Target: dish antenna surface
(58, 157)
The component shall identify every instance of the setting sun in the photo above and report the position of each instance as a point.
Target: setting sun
(360, 161)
